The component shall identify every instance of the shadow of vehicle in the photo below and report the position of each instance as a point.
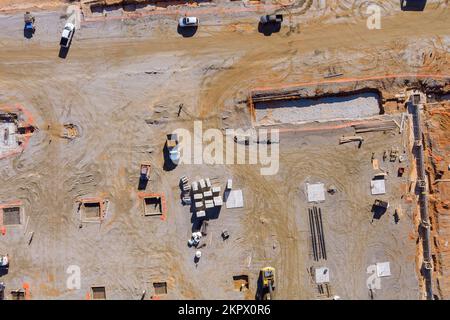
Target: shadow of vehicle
(268, 28)
(259, 295)
(28, 33)
(63, 51)
(378, 212)
(143, 181)
(413, 5)
(213, 213)
(196, 222)
(3, 271)
(187, 32)
(168, 163)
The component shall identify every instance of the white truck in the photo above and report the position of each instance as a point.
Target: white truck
(172, 147)
(4, 261)
(271, 18)
(188, 22)
(67, 35)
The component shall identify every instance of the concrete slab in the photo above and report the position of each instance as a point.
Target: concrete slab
(378, 186)
(235, 199)
(322, 275)
(383, 269)
(316, 192)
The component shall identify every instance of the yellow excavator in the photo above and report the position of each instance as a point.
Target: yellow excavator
(267, 283)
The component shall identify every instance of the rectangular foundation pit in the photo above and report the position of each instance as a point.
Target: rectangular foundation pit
(92, 209)
(152, 206)
(240, 282)
(98, 293)
(160, 288)
(289, 108)
(11, 216)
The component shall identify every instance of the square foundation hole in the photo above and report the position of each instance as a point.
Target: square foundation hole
(240, 282)
(152, 206)
(17, 295)
(160, 287)
(98, 293)
(91, 210)
(11, 216)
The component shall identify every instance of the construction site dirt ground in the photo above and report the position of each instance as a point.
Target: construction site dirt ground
(121, 85)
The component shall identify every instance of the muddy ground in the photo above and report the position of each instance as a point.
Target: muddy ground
(121, 84)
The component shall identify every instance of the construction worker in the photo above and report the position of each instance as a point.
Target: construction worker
(29, 21)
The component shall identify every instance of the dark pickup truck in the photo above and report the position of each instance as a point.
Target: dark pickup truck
(271, 18)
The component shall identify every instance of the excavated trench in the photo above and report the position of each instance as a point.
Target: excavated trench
(272, 109)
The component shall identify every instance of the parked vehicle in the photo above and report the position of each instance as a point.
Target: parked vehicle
(67, 35)
(4, 261)
(271, 18)
(188, 22)
(172, 146)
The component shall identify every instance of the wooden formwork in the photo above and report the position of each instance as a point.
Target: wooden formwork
(143, 196)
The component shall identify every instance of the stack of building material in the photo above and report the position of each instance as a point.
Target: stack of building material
(209, 204)
(184, 180)
(202, 184)
(347, 139)
(317, 234)
(201, 214)
(198, 196)
(208, 194)
(375, 126)
(185, 190)
(217, 199)
(205, 196)
(215, 191)
(199, 205)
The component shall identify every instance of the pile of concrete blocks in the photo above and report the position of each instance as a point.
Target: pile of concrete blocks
(205, 196)
(185, 190)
